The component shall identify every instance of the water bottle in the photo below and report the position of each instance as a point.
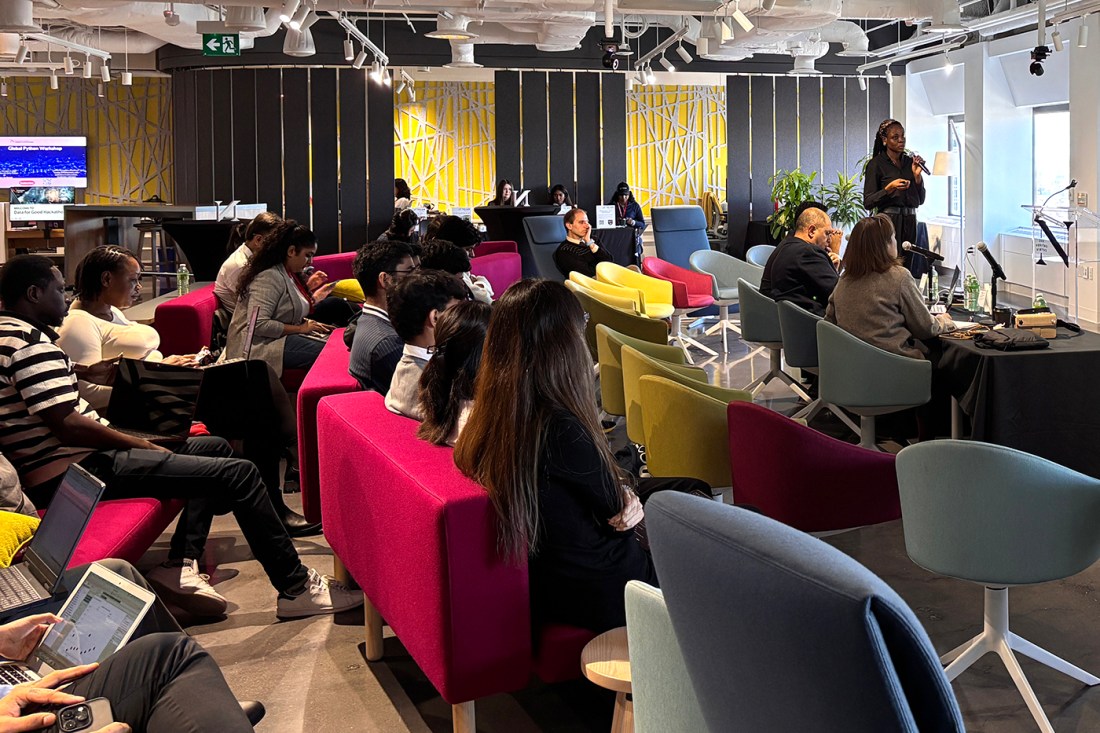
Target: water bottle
(1040, 301)
(970, 289)
(183, 279)
(935, 286)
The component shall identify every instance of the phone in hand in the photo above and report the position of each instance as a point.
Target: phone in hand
(89, 715)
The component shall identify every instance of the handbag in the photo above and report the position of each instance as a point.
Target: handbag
(1010, 339)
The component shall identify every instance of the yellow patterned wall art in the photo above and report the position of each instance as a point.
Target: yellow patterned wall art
(445, 143)
(676, 144)
(129, 131)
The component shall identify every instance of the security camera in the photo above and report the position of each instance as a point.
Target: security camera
(611, 60)
(1038, 56)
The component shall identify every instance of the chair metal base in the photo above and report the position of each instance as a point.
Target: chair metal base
(676, 334)
(775, 371)
(996, 637)
(809, 412)
(725, 323)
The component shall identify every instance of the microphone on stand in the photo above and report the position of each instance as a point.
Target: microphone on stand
(925, 253)
(993, 264)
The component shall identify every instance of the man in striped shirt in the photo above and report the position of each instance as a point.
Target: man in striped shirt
(45, 426)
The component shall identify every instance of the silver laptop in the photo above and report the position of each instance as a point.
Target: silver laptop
(99, 616)
(37, 577)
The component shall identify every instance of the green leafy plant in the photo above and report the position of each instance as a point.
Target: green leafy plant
(789, 190)
(844, 200)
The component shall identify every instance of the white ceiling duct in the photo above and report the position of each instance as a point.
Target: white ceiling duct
(17, 16)
(245, 19)
(462, 56)
(452, 28)
(9, 44)
(848, 34)
(805, 54)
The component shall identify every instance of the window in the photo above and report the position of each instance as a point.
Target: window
(956, 131)
(1050, 154)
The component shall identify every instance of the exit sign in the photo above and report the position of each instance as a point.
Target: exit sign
(221, 44)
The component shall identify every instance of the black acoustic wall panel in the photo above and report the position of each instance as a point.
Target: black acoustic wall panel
(323, 160)
(856, 136)
(269, 139)
(379, 158)
(833, 119)
(809, 126)
(296, 144)
(243, 134)
(613, 104)
(589, 189)
(204, 138)
(536, 142)
(353, 158)
(561, 130)
(506, 90)
(878, 106)
(738, 183)
(183, 129)
(762, 124)
(786, 123)
(223, 111)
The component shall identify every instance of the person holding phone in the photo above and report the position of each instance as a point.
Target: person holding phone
(893, 184)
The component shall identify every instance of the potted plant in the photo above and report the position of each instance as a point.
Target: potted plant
(789, 190)
(844, 200)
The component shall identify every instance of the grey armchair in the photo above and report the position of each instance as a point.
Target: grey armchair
(760, 325)
(544, 234)
(759, 254)
(799, 328)
(781, 632)
(724, 273)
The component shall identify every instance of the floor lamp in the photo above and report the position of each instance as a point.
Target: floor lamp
(948, 162)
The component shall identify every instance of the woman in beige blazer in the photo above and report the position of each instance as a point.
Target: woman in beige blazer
(285, 336)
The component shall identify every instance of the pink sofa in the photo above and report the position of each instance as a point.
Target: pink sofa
(419, 537)
(185, 323)
(499, 262)
(124, 528)
(328, 376)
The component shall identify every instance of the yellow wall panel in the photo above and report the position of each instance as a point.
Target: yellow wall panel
(676, 143)
(445, 143)
(129, 131)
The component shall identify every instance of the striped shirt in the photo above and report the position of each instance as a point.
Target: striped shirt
(35, 374)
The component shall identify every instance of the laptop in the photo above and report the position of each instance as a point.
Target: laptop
(36, 578)
(99, 617)
(154, 401)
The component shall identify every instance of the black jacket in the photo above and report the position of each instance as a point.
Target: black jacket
(801, 273)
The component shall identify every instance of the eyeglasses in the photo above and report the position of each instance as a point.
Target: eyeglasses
(414, 268)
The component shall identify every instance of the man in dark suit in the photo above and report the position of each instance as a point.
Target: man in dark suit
(803, 268)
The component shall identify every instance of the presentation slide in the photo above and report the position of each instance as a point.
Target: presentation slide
(43, 161)
(41, 203)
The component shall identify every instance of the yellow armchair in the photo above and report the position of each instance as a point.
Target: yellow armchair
(656, 294)
(686, 432)
(609, 347)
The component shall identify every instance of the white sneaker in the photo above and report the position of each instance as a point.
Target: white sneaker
(187, 588)
(322, 595)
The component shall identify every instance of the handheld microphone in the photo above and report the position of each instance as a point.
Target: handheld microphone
(993, 264)
(925, 253)
(922, 166)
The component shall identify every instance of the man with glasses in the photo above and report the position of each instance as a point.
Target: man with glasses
(375, 346)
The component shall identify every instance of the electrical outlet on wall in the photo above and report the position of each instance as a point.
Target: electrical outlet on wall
(1082, 198)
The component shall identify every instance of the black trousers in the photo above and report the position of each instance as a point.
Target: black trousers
(203, 473)
(905, 230)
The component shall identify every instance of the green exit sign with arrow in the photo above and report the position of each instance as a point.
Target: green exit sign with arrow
(221, 44)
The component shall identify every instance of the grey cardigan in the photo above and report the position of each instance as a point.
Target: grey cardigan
(280, 303)
(886, 310)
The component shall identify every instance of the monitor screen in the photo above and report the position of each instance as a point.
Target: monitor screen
(43, 161)
(40, 203)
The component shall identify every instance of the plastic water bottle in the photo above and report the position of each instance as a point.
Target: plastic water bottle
(1040, 301)
(970, 289)
(935, 286)
(183, 279)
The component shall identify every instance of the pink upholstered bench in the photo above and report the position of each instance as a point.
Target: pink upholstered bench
(499, 262)
(337, 266)
(125, 529)
(185, 323)
(419, 538)
(329, 375)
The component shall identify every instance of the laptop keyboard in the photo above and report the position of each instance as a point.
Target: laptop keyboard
(12, 675)
(16, 589)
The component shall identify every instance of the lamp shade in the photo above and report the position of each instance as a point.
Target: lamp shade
(947, 162)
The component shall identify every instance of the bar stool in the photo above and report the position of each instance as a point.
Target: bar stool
(156, 256)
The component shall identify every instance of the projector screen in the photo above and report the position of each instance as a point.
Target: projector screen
(43, 161)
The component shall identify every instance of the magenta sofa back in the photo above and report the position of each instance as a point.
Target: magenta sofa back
(500, 268)
(185, 323)
(124, 529)
(337, 266)
(328, 375)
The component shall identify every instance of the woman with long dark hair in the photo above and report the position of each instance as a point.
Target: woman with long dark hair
(893, 184)
(249, 237)
(285, 337)
(402, 194)
(447, 384)
(534, 441)
(403, 227)
(506, 195)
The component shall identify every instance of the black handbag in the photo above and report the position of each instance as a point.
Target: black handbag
(1010, 339)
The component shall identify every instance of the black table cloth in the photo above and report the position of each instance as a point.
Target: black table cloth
(1044, 402)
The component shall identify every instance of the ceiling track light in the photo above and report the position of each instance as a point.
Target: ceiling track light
(105, 72)
(299, 17)
(387, 79)
(650, 78)
(889, 76)
(53, 81)
(667, 64)
(127, 79)
(68, 65)
(99, 89)
(684, 54)
(401, 87)
(948, 65)
(3, 88)
(1056, 38)
(349, 50)
(862, 83)
(290, 7)
(740, 18)
(446, 15)
(360, 59)
(23, 52)
(171, 17)
(86, 72)
(1083, 32)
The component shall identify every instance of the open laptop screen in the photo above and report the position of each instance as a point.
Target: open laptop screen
(62, 527)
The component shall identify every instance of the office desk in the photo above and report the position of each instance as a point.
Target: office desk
(619, 242)
(1043, 402)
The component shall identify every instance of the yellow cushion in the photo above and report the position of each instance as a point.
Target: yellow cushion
(350, 290)
(16, 530)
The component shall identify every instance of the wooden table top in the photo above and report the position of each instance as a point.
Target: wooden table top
(606, 660)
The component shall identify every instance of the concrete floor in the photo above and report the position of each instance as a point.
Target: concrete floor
(312, 675)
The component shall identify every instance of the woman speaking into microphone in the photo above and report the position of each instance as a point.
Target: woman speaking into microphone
(893, 184)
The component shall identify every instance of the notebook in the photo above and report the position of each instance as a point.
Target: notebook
(98, 618)
(52, 547)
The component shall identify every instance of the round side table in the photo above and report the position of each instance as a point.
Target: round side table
(606, 662)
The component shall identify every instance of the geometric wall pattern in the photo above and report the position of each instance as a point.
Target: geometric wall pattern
(129, 131)
(676, 143)
(445, 143)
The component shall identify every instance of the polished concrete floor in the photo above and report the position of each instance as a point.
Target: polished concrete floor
(312, 674)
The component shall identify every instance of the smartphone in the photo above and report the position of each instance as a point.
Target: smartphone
(88, 715)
